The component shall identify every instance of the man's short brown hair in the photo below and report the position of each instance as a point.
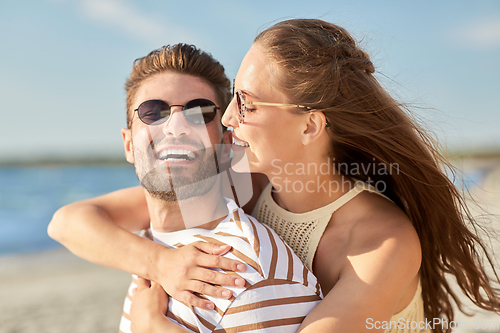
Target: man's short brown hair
(183, 59)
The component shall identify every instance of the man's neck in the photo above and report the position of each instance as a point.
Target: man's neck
(205, 212)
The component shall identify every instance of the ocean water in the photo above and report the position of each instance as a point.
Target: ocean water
(30, 196)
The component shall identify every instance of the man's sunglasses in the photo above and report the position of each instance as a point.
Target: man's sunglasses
(198, 111)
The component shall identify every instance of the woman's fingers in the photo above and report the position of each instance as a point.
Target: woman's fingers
(191, 299)
(161, 296)
(209, 276)
(156, 286)
(213, 257)
(142, 283)
(212, 248)
(188, 272)
(208, 289)
(150, 304)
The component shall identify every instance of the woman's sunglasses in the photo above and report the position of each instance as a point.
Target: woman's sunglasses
(198, 111)
(242, 104)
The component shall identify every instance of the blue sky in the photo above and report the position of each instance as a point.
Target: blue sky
(63, 63)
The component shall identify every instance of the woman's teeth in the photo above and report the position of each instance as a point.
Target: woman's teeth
(240, 143)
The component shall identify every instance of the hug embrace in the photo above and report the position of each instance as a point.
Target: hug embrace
(377, 243)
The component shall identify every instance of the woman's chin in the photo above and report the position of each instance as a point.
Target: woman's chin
(244, 161)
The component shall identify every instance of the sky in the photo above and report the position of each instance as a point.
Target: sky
(63, 63)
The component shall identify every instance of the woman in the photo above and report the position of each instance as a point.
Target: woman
(311, 116)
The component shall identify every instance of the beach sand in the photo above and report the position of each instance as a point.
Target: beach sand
(54, 291)
(486, 193)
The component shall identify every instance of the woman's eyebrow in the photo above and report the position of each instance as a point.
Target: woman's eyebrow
(248, 93)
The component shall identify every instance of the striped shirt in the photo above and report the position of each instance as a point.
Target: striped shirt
(279, 292)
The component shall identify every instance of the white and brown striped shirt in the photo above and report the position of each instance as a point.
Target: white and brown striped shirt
(279, 292)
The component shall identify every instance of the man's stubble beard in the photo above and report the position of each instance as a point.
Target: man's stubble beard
(180, 187)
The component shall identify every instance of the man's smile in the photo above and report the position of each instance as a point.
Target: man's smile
(171, 155)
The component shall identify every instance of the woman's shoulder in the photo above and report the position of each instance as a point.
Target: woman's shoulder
(369, 234)
(377, 223)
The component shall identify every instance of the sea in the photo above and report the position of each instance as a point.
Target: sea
(29, 196)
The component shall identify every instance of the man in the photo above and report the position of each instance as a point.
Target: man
(175, 97)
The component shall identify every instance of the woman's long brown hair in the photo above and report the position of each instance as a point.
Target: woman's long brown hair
(320, 66)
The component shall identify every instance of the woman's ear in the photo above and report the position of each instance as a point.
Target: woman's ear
(315, 126)
(127, 144)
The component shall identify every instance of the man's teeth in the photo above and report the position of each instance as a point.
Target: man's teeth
(240, 143)
(176, 155)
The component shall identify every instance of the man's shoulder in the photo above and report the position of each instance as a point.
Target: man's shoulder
(277, 259)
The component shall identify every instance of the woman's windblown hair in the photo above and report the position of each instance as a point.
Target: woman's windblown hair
(319, 65)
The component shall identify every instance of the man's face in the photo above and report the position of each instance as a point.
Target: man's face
(174, 160)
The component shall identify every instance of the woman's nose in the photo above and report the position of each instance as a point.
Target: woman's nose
(230, 117)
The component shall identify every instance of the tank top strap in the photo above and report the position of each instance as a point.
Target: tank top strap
(363, 186)
(358, 187)
(329, 209)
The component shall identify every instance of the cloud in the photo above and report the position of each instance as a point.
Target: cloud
(122, 16)
(481, 33)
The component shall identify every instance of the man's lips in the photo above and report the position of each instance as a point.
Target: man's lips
(177, 154)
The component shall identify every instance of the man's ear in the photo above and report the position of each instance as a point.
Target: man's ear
(315, 125)
(127, 144)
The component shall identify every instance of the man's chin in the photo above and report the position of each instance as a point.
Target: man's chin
(168, 196)
(180, 182)
(179, 189)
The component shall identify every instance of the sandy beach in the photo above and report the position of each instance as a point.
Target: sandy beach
(486, 193)
(54, 291)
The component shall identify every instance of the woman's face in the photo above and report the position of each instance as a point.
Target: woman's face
(270, 135)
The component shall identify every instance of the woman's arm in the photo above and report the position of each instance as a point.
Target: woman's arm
(99, 230)
(379, 265)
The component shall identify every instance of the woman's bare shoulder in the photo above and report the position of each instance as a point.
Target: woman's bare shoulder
(384, 236)
(370, 234)
(376, 219)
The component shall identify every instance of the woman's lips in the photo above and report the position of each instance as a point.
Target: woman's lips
(238, 142)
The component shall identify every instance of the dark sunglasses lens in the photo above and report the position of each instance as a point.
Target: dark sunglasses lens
(200, 111)
(151, 112)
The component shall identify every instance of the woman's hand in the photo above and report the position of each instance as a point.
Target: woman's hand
(149, 306)
(149, 309)
(186, 270)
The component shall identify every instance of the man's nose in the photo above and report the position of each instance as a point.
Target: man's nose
(177, 125)
(230, 117)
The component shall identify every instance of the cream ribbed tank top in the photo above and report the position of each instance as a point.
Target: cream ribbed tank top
(302, 232)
